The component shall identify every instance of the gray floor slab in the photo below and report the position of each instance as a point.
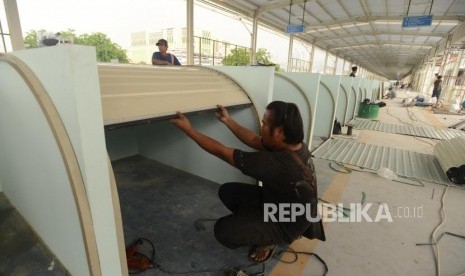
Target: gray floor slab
(21, 251)
(162, 204)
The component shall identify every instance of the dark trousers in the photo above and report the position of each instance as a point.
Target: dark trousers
(245, 226)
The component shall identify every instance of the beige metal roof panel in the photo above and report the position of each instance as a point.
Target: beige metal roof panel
(131, 93)
(428, 132)
(403, 163)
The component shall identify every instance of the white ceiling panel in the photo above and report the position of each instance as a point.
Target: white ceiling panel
(357, 29)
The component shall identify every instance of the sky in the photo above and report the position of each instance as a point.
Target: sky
(118, 18)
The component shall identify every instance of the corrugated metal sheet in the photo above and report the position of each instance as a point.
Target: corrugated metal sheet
(450, 153)
(404, 163)
(427, 132)
(130, 93)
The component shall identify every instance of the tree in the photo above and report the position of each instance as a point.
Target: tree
(106, 49)
(30, 41)
(241, 56)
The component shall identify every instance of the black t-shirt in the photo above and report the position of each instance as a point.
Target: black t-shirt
(282, 181)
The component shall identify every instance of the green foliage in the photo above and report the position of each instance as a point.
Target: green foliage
(106, 49)
(30, 41)
(237, 57)
(241, 56)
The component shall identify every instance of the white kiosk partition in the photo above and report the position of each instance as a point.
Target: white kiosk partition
(363, 89)
(368, 89)
(346, 97)
(54, 163)
(357, 86)
(55, 167)
(285, 89)
(309, 84)
(377, 88)
(328, 94)
(258, 81)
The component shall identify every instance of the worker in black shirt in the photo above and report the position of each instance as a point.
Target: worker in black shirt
(282, 162)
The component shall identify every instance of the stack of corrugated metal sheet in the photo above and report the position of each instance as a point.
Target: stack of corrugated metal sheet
(402, 162)
(451, 157)
(427, 132)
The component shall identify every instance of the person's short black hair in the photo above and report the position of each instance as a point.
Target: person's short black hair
(287, 115)
(162, 42)
(354, 68)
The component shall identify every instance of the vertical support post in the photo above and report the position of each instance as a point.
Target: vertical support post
(200, 51)
(190, 32)
(289, 53)
(335, 65)
(253, 44)
(312, 56)
(14, 25)
(453, 77)
(214, 49)
(326, 62)
(344, 66)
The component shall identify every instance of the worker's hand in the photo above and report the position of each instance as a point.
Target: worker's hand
(181, 122)
(222, 114)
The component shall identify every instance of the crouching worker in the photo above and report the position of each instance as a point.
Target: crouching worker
(391, 94)
(282, 162)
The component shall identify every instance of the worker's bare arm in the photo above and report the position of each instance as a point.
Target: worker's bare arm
(208, 144)
(247, 136)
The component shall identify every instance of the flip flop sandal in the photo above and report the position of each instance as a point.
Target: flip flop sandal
(271, 249)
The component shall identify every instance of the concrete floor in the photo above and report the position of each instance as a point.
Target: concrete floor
(388, 248)
(162, 204)
(21, 251)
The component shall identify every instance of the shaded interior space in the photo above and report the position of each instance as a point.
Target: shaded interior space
(164, 204)
(22, 252)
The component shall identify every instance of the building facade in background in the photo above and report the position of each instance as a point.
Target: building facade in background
(207, 50)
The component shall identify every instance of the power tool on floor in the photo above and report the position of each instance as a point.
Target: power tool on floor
(137, 259)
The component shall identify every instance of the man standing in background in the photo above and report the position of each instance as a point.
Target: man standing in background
(354, 71)
(162, 57)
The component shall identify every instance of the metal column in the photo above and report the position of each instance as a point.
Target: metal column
(253, 48)
(14, 25)
(289, 53)
(326, 62)
(190, 32)
(312, 55)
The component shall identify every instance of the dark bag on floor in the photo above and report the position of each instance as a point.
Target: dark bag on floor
(337, 129)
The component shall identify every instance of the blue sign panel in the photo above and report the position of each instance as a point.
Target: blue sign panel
(417, 21)
(292, 29)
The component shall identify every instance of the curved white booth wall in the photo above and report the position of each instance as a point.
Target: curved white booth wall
(344, 100)
(327, 105)
(309, 84)
(285, 89)
(363, 89)
(377, 87)
(368, 89)
(357, 92)
(69, 76)
(258, 81)
(47, 157)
